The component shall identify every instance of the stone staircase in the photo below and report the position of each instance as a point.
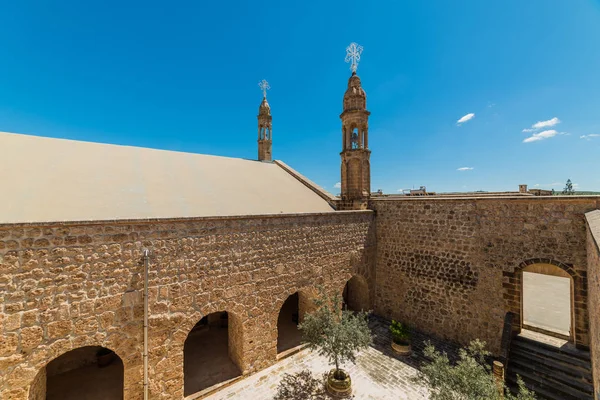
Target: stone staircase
(553, 370)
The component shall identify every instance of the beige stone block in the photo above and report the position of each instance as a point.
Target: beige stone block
(31, 337)
(59, 329)
(85, 325)
(13, 322)
(10, 361)
(106, 320)
(30, 318)
(14, 394)
(108, 303)
(9, 344)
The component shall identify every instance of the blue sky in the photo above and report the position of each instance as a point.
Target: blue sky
(183, 76)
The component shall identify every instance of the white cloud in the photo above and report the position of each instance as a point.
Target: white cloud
(465, 118)
(542, 124)
(546, 124)
(464, 169)
(542, 135)
(590, 136)
(338, 185)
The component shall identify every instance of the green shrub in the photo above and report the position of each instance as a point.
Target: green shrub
(400, 333)
(470, 378)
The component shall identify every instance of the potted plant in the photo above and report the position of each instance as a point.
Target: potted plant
(104, 357)
(338, 335)
(400, 338)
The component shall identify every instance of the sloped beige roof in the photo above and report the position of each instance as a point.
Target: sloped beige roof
(50, 180)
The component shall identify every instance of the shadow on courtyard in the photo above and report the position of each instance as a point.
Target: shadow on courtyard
(382, 340)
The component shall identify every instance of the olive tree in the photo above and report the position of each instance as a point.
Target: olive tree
(335, 333)
(470, 378)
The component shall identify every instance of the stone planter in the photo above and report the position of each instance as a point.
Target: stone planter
(105, 357)
(338, 388)
(402, 349)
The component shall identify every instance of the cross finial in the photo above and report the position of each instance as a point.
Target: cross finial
(264, 86)
(353, 53)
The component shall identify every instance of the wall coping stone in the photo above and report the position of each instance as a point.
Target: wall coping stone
(508, 198)
(593, 221)
(186, 219)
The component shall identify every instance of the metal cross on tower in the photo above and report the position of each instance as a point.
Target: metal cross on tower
(264, 86)
(353, 53)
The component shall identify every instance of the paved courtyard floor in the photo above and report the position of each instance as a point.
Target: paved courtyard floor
(377, 374)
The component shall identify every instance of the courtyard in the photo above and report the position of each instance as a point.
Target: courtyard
(377, 374)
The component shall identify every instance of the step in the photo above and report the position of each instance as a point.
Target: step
(526, 347)
(540, 392)
(577, 372)
(569, 350)
(555, 374)
(546, 384)
(575, 368)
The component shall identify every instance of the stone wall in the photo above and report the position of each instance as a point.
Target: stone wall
(593, 249)
(452, 266)
(66, 286)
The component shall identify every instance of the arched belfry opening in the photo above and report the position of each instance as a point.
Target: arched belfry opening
(356, 294)
(212, 352)
(90, 372)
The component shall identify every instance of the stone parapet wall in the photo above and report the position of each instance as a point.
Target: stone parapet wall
(593, 250)
(69, 285)
(451, 266)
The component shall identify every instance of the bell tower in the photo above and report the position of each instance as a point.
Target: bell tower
(356, 169)
(264, 126)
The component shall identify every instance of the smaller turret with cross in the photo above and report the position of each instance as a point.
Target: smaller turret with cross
(264, 125)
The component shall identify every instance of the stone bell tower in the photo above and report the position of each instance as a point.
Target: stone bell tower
(356, 169)
(264, 126)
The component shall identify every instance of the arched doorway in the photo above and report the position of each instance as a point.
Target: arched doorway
(356, 294)
(212, 352)
(547, 300)
(93, 370)
(288, 335)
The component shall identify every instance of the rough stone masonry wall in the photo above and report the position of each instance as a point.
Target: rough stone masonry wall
(593, 249)
(451, 266)
(66, 286)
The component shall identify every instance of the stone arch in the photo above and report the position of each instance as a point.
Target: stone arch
(93, 369)
(355, 294)
(298, 302)
(513, 294)
(126, 348)
(212, 351)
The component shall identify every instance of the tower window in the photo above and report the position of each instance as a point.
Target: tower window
(355, 140)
